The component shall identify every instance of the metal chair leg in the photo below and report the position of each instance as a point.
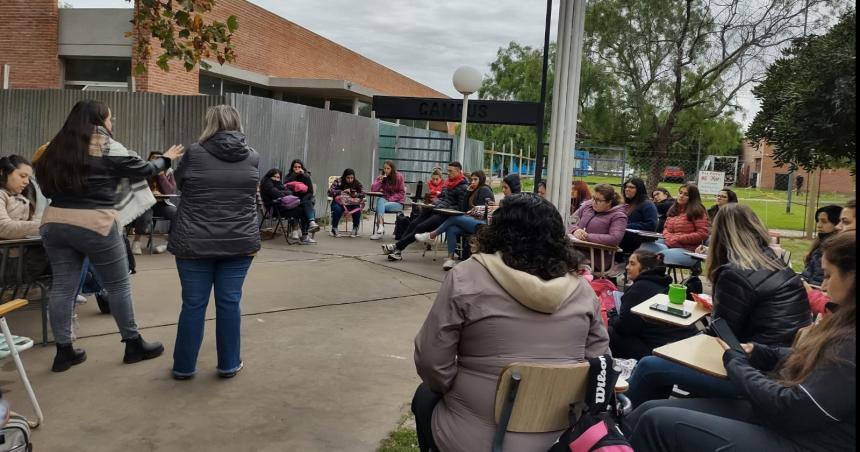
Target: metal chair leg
(23, 373)
(507, 409)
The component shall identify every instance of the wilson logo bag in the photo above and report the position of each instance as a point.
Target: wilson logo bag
(15, 435)
(595, 430)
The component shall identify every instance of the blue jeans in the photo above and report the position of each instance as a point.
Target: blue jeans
(456, 226)
(337, 211)
(90, 281)
(197, 277)
(383, 206)
(653, 378)
(671, 256)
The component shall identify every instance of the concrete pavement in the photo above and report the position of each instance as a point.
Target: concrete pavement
(326, 340)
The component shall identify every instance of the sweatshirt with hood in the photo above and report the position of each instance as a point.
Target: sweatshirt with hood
(217, 217)
(486, 316)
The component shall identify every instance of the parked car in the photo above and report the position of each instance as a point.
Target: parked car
(673, 174)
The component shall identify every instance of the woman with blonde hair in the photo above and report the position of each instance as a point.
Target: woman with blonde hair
(759, 297)
(215, 236)
(799, 398)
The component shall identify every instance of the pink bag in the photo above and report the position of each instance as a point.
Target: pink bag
(297, 187)
(604, 289)
(290, 201)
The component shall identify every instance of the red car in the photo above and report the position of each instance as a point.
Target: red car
(673, 174)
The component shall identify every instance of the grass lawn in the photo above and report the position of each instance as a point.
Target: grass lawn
(798, 248)
(768, 204)
(401, 439)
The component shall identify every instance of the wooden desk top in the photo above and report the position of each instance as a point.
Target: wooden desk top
(24, 241)
(373, 193)
(700, 352)
(648, 234)
(449, 211)
(598, 246)
(698, 256)
(643, 309)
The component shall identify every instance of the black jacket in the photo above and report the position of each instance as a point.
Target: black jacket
(271, 190)
(648, 284)
(484, 192)
(217, 216)
(663, 208)
(762, 305)
(453, 199)
(303, 178)
(820, 413)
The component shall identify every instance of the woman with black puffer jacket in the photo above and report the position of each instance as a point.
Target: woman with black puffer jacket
(799, 399)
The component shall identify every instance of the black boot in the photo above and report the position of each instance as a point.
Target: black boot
(137, 349)
(67, 356)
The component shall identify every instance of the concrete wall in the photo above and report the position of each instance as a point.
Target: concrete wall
(94, 32)
(28, 43)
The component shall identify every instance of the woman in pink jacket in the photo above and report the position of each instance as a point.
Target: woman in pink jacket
(686, 228)
(393, 189)
(601, 219)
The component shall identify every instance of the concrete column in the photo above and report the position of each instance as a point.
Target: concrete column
(355, 105)
(571, 26)
(327, 105)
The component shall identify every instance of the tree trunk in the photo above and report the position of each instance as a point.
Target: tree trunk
(660, 149)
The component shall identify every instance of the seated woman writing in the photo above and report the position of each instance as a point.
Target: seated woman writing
(602, 220)
(631, 336)
(517, 299)
(273, 194)
(478, 195)
(792, 399)
(435, 185)
(347, 196)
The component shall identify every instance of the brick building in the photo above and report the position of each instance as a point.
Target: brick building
(758, 169)
(50, 47)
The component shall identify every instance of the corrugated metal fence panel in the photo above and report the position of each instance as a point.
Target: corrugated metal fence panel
(183, 118)
(275, 129)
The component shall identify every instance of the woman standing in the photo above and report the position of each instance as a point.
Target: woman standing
(793, 399)
(725, 196)
(214, 238)
(80, 171)
(518, 299)
(390, 184)
(347, 195)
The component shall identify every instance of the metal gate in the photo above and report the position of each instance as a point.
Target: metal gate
(415, 156)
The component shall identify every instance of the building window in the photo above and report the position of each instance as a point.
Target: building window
(213, 85)
(97, 74)
(209, 85)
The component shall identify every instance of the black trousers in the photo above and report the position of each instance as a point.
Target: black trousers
(426, 222)
(423, 403)
(700, 425)
(627, 347)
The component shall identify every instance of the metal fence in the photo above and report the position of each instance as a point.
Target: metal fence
(327, 141)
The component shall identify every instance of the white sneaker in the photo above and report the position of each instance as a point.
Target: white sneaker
(449, 264)
(424, 237)
(313, 226)
(333, 233)
(354, 233)
(80, 299)
(395, 255)
(159, 249)
(135, 248)
(307, 240)
(375, 237)
(388, 248)
(295, 235)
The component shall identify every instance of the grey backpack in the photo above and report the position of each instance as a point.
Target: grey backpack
(15, 435)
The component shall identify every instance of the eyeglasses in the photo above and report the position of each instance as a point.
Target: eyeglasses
(596, 200)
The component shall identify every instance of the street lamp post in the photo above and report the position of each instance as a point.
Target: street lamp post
(466, 80)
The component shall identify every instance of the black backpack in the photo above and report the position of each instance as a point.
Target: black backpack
(400, 225)
(595, 429)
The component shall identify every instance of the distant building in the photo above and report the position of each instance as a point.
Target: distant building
(758, 169)
(70, 48)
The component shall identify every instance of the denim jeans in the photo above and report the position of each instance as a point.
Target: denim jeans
(90, 281)
(672, 256)
(197, 277)
(456, 226)
(653, 378)
(67, 246)
(307, 206)
(383, 206)
(337, 211)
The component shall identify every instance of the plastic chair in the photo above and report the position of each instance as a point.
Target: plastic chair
(20, 344)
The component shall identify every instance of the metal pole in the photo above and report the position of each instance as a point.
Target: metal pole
(462, 152)
(6, 70)
(542, 102)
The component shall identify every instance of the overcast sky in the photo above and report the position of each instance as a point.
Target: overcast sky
(426, 41)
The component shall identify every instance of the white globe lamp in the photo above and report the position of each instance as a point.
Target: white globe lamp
(466, 80)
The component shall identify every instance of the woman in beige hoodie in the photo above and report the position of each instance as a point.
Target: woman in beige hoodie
(17, 211)
(516, 300)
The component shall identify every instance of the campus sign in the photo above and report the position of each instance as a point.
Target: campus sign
(451, 110)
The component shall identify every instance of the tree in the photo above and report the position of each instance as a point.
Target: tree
(677, 59)
(808, 100)
(183, 33)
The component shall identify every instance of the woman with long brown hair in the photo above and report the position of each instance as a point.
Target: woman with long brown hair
(809, 404)
(686, 228)
(390, 183)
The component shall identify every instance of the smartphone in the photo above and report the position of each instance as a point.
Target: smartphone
(671, 311)
(724, 331)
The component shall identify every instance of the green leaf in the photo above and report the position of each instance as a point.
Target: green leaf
(232, 24)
